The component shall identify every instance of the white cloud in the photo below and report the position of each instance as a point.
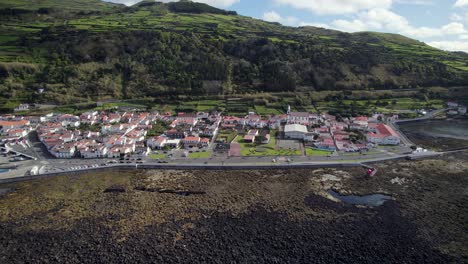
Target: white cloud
(456, 17)
(461, 3)
(453, 28)
(386, 20)
(217, 3)
(450, 45)
(415, 2)
(460, 17)
(273, 16)
(320, 25)
(330, 7)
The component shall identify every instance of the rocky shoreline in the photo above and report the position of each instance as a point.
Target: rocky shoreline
(274, 216)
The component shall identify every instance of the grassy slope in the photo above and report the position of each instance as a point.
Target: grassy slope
(82, 5)
(225, 27)
(219, 27)
(405, 47)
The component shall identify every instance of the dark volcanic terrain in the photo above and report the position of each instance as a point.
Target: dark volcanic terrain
(270, 216)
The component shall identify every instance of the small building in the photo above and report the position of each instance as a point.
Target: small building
(141, 149)
(22, 107)
(175, 134)
(249, 138)
(16, 133)
(384, 135)
(114, 152)
(295, 131)
(173, 143)
(299, 118)
(63, 151)
(156, 142)
(452, 104)
(191, 141)
(203, 115)
(204, 142)
(462, 110)
(253, 132)
(326, 144)
(94, 152)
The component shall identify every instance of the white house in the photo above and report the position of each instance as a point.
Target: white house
(89, 117)
(16, 133)
(96, 151)
(452, 104)
(462, 110)
(63, 151)
(203, 115)
(298, 118)
(295, 131)
(173, 143)
(156, 142)
(141, 149)
(22, 107)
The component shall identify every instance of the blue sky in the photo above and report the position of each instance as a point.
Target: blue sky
(440, 23)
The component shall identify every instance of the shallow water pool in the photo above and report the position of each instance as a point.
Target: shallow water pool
(369, 200)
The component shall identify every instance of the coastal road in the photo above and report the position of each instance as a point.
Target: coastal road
(62, 167)
(404, 139)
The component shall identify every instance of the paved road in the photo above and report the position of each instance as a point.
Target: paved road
(429, 115)
(60, 167)
(226, 165)
(405, 140)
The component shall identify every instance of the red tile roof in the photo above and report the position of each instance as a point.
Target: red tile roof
(192, 139)
(14, 123)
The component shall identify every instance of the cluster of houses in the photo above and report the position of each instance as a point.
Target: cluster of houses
(116, 134)
(323, 132)
(14, 128)
(188, 130)
(326, 133)
(96, 134)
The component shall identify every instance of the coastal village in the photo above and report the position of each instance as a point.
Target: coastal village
(101, 134)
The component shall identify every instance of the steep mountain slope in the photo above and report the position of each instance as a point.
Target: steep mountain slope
(152, 49)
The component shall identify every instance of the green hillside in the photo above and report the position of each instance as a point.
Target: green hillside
(85, 5)
(87, 49)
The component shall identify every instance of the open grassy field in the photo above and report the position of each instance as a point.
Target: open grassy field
(317, 152)
(157, 156)
(461, 65)
(114, 105)
(382, 105)
(204, 105)
(200, 155)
